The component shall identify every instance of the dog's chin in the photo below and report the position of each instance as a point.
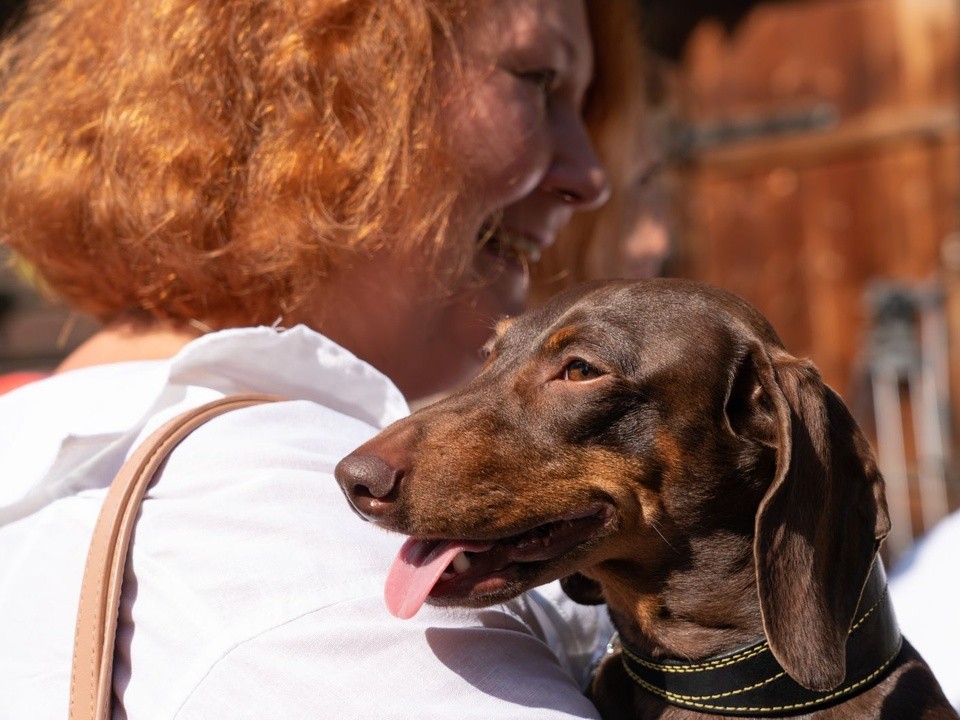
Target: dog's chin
(581, 589)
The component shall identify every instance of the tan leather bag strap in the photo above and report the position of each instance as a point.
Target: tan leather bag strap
(92, 677)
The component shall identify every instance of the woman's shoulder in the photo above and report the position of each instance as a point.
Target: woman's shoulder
(261, 477)
(273, 433)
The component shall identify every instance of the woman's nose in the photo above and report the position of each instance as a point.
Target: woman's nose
(576, 175)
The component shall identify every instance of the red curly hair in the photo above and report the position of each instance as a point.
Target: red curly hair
(215, 161)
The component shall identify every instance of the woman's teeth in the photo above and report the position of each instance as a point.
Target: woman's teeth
(510, 245)
(522, 245)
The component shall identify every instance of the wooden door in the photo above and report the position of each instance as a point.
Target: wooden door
(818, 154)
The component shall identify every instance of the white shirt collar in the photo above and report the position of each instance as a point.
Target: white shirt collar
(72, 431)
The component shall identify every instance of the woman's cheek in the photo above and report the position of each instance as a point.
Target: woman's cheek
(504, 141)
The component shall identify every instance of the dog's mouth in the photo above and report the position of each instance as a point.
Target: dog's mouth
(483, 572)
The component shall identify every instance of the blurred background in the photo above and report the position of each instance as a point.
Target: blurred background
(814, 160)
(804, 154)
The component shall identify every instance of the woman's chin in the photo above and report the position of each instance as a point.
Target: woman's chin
(504, 286)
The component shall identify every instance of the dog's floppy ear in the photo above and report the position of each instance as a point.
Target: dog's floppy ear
(821, 521)
(582, 589)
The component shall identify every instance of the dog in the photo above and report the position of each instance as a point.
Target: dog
(652, 444)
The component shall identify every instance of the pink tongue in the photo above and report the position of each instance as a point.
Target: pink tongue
(414, 572)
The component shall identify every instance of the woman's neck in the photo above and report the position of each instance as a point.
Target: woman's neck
(126, 340)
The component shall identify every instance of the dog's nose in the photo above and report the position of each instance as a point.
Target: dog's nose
(370, 484)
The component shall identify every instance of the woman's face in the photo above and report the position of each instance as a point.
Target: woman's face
(514, 113)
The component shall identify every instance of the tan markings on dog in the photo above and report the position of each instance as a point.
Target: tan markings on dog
(668, 449)
(606, 469)
(643, 609)
(503, 325)
(640, 540)
(561, 338)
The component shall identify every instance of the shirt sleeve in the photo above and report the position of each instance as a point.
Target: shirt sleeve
(924, 591)
(349, 661)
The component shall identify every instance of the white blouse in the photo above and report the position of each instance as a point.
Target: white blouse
(925, 585)
(252, 589)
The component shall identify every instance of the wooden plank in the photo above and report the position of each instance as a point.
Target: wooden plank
(875, 196)
(792, 55)
(763, 215)
(905, 184)
(830, 202)
(858, 55)
(803, 244)
(887, 68)
(926, 43)
(868, 133)
(946, 184)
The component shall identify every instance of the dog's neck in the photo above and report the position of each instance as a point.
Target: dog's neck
(687, 613)
(746, 678)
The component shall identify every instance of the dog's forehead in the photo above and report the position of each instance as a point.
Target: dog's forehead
(652, 306)
(661, 320)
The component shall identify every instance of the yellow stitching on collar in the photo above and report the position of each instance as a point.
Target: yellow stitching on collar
(864, 617)
(738, 657)
(708, 665)
(689, 698)
(692, 700)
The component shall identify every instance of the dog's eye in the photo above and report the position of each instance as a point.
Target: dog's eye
(580, 370)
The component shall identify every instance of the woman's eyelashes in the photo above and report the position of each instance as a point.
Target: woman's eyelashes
(544, 79)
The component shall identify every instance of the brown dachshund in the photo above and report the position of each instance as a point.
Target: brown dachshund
(655, 441)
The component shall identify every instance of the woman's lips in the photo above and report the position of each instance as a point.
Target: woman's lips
(504, 258)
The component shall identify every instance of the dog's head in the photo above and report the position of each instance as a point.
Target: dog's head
(647, 434)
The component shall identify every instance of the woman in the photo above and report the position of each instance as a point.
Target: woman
(330, 201)
(924, 587)
(630, 234)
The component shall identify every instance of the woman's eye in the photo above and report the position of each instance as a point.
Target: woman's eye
(580, 370)
(544, 79)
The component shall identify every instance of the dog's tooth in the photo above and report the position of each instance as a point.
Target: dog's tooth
(461, 563)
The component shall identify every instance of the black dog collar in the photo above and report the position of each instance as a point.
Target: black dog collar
(750, 682)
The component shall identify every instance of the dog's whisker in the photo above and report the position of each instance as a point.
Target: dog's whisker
(654, 526)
